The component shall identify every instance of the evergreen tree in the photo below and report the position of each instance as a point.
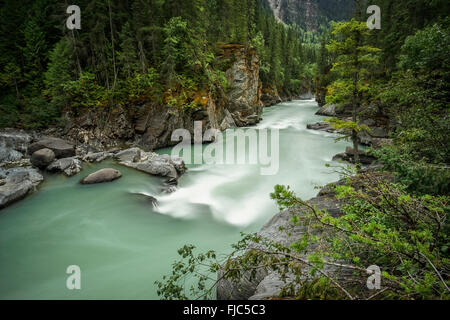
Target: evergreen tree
(354, 62)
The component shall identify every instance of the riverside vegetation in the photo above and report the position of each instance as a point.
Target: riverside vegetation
(176, 55)
(394, 214)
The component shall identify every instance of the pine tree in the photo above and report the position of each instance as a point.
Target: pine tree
(354, 62)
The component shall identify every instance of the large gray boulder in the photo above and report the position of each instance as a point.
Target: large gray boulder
(101, 176)
(17, 183)
(42, 158)
(152, 163)
(129, 155)
(61, 148)
(69, 166)
(328, 110)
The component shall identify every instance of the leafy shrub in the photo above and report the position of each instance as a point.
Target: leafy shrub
(381, 224)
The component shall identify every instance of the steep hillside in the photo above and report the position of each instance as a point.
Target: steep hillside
(310, 14)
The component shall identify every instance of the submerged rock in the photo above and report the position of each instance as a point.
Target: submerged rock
(61, 148)
(70, 166)
(147, 198)
(42, 158)
(101, 176)
(17, 183)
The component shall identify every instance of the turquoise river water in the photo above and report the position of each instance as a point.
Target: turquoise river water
(122, 244)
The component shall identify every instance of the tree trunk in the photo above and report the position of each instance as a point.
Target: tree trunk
(112, 45)
(355, 148)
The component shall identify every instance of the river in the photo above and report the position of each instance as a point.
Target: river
(122, 244)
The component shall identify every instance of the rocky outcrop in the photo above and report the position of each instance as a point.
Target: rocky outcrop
(310, 14)
(150, 124)
(60, 147)
(69, 166)
(17, 183)
(102, 176)
(42, 158)
(328, 110)
(245, 95)
(270, 96)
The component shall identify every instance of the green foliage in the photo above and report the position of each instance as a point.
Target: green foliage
(139, 85)
(9, 111)
(406, 236)
(427, 49)
(353, 63)
(85, 92)
(59, 72)
(418, 93)
(419, 176)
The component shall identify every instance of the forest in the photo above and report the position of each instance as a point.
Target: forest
(127, 51)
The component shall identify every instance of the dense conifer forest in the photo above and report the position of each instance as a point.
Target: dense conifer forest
(127, 50)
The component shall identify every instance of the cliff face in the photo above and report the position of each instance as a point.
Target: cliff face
(309, 14)
(150, 125)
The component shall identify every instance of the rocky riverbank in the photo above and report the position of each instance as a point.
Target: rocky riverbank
(379, 124)
(149, 124)
(25, 156)
(130, 131)
(266, 283)
(377, 136)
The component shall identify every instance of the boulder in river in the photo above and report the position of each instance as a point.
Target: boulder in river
(17, 183)
(322, 126)
(97, 156)
(61, 148)
(70, 166)
(101, 176)
(42, 158)
(152, 163)
(129, 155)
